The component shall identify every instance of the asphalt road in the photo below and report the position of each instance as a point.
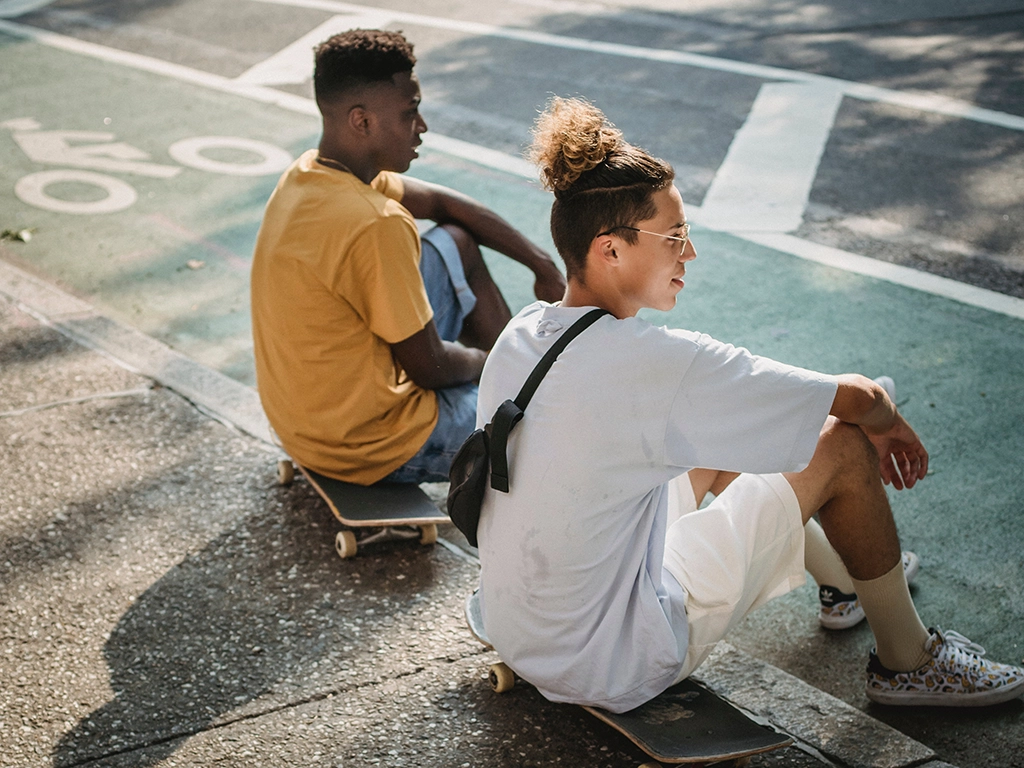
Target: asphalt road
(935, 184)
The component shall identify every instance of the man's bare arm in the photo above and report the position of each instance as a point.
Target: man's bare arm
(443, 205)
(903, 459)
(434, 363)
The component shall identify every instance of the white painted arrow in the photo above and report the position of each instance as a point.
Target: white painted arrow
(765, 180)
(101, 153)
(294, 64)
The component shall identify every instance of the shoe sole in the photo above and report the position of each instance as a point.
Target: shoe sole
(842, 622)
(924, 699)
(913, 566)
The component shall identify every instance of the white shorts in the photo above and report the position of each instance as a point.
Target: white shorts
(736, 554)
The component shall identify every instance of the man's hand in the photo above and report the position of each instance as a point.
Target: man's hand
(443, 205)
(434, 363)
(903, 459)
(549, 285)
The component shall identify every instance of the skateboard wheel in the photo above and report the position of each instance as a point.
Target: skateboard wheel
(501, 677)
(345, 544)
(285, 472)
(653, 765)
(428, 534)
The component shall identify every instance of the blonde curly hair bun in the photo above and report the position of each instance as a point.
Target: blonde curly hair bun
(571, 137)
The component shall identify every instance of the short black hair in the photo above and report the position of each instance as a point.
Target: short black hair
(359, 57)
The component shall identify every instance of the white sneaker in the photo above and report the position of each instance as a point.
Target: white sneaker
(840, 610)
(957, 675)
(886, 383)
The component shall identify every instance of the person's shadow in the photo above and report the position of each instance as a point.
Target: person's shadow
(264, 616)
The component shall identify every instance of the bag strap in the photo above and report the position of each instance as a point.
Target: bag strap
(510, 412)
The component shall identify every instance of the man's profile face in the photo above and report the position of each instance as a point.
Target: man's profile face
(397, 123)
(651, 270)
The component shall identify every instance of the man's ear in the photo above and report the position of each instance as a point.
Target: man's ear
(602, 247)
(360, 120)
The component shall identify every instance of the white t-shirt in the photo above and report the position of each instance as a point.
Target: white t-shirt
(573, 593)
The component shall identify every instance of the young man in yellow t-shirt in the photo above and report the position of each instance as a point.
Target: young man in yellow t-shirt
(368, 338)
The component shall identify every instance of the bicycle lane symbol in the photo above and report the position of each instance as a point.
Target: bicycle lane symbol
(87, 152)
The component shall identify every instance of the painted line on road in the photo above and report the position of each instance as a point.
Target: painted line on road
(11, 9)
(921, 101)
(765, 181)
(926, 282)
(489, 158)
(160, 67)
(294, 64)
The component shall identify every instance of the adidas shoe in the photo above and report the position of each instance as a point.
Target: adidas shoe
(886, 383)
(840, 610)
(957, 675)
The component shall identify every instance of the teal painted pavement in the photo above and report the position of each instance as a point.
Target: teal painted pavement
(134, 264)
(959, 370)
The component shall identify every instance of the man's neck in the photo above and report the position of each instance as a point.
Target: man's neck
(337, 157)
(578, 294)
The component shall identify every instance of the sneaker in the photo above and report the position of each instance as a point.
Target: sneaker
(886, 383)
(957, 675)
(840, 610)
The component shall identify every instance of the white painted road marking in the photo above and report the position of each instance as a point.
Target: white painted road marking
(925, 102)
(294, 64)
(486, 157)
(189, 152)
(31, 189)
(98, 152)
(12, 9)
(765, 180)
(892, 273)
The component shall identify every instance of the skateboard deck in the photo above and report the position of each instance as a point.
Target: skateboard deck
(685, 724)
(399, 510)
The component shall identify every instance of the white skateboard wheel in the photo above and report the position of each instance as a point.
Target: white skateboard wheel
(285, 472)
(345, 544)
(501, 677)
(428, 534)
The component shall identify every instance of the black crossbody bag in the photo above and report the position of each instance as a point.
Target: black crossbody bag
(487, 448)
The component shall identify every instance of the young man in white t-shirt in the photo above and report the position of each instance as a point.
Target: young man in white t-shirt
(601, 583)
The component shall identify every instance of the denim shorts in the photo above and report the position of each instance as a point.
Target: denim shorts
(449, 294)
(451, 299)
(456, 420)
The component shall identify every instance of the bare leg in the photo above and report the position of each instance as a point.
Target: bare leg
(491, 314)
(842, 484)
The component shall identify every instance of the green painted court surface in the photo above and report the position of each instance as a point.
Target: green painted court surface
(959, 370)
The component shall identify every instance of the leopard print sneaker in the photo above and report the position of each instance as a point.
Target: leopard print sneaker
(957, 675)
(839, 610)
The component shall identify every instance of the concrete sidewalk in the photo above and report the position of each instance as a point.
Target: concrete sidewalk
(164, 602)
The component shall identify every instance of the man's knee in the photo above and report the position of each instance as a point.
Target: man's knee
(846, 444)
(844, 459)
(469, 249)
(849, 457)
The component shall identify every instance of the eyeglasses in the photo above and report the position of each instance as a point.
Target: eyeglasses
(682, 240)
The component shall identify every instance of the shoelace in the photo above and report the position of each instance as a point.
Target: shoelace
(955, 639)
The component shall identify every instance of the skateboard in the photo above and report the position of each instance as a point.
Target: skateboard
(685, 724)
(396, 510)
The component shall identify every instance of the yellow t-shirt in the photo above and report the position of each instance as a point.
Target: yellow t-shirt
(335, 282)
